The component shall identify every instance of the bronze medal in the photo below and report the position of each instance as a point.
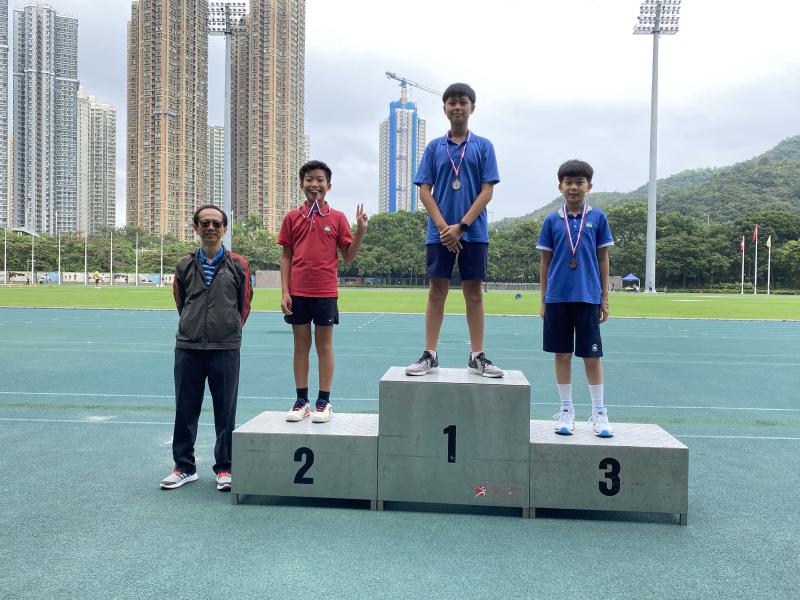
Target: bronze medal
(573, 264)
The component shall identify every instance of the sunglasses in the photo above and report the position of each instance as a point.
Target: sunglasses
(211, 223)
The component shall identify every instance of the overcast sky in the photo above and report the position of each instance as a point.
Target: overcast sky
(554, 80)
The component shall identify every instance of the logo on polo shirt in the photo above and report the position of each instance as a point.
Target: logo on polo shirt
(327, 228)
(589, 225)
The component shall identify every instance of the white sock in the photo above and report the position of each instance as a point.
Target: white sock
(433, 353)
(596, 392)
(565, 393)
(472, 355)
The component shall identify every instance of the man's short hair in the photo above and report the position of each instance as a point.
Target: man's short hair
(196, 217)
(312, 165)
(575, 168)
(457, 90)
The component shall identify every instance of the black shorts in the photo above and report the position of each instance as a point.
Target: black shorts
(572, 326)
(472, 260)
(323, 311)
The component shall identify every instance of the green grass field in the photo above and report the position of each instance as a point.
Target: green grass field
(685, 306)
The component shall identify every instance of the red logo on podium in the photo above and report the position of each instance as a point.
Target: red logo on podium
(480, 491)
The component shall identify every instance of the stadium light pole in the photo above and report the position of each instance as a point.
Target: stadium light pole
(656, 18)
(223, 19)
(58, 227)
(5, 254)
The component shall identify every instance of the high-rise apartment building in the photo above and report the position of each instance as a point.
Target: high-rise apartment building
(216, 165)
(167, 175)
(45, 119)
(402, 142)
(97, 157)
(268, 111)
(5, 204)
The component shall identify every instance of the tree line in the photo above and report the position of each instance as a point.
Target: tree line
(691, 252)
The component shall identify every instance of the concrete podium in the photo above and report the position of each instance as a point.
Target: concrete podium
(338, 459)
(454, 438)
(641, 469)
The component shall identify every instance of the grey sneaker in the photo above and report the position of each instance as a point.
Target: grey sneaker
(480, 365)
(424, 365)
(177, 479)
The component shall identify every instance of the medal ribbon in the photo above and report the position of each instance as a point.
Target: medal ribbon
(574, 248)
(463, 152)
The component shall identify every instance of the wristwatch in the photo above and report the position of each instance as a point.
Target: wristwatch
(464, 226)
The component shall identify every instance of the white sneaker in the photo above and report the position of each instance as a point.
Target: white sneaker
(565, 421)
(177, 479)
(224, 481)
(299, 411)
(480, 365)
(427, 363)
(322, 413)
(600, 425)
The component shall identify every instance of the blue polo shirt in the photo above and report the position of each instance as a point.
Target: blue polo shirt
(581, 284)
(479, 167)
(210, 265)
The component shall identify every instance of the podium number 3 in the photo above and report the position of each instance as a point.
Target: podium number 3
(612, 474)
(299, 455)
(450, 430)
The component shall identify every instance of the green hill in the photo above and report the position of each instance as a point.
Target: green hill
(767, 182)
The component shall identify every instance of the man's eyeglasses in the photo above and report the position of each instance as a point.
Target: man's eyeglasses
(210, 222)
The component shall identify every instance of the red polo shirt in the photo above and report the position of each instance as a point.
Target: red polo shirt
(314, 238)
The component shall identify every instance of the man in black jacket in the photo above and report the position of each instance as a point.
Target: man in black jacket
(212, 293)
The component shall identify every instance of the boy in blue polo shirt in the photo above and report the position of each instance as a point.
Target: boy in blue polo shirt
(574, 243)
(456, 177)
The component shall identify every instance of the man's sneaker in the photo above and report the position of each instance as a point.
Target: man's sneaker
(322, 412)
(299, 411)
(177, 479)
(427, 363)
(600, 425)
(565, 421)
(224, 481)
(480, 365)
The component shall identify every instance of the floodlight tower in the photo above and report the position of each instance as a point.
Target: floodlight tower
(656, 17)
(224, 17)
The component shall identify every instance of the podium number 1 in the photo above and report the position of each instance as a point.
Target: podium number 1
(450, 430)
(299, 455)
(612, 474)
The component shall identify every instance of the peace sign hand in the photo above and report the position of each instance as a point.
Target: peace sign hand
(361, 219)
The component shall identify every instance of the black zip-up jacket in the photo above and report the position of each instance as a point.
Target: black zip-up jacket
(211, 318)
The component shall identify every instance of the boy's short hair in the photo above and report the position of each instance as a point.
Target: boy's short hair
(457, 90)
(575, 168)
(196, 217)
(312, 165)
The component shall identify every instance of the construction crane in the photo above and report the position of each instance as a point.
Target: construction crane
(404, 83)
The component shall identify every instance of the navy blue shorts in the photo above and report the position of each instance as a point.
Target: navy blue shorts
(572, 326)
(472, 260)
(323, 311)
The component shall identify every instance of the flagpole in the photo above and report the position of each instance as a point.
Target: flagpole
(136, 281)
(112, 257)
(755, 268)
(769, 260)
(742, 247)
(86, 257)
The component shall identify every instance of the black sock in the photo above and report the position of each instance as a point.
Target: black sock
(324, 397)
(302, 394)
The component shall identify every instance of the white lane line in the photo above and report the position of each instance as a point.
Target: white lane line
(89, 421)
(342, 399)
(737, 437)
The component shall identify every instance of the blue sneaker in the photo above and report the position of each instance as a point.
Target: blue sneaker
(565, 421)
(599, 420)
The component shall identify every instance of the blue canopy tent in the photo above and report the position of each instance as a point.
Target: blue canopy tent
(632, 281)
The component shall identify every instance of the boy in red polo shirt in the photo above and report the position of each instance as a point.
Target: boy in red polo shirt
(310, 236)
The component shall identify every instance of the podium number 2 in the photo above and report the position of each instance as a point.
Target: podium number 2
(612, 474)
(299, 455)
(450, 430)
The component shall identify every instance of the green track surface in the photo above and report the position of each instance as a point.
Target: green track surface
(86, 411)
(623, 304)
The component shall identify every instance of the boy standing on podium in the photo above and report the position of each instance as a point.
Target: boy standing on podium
(311, 235)
(574, 243)
(456, 178)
